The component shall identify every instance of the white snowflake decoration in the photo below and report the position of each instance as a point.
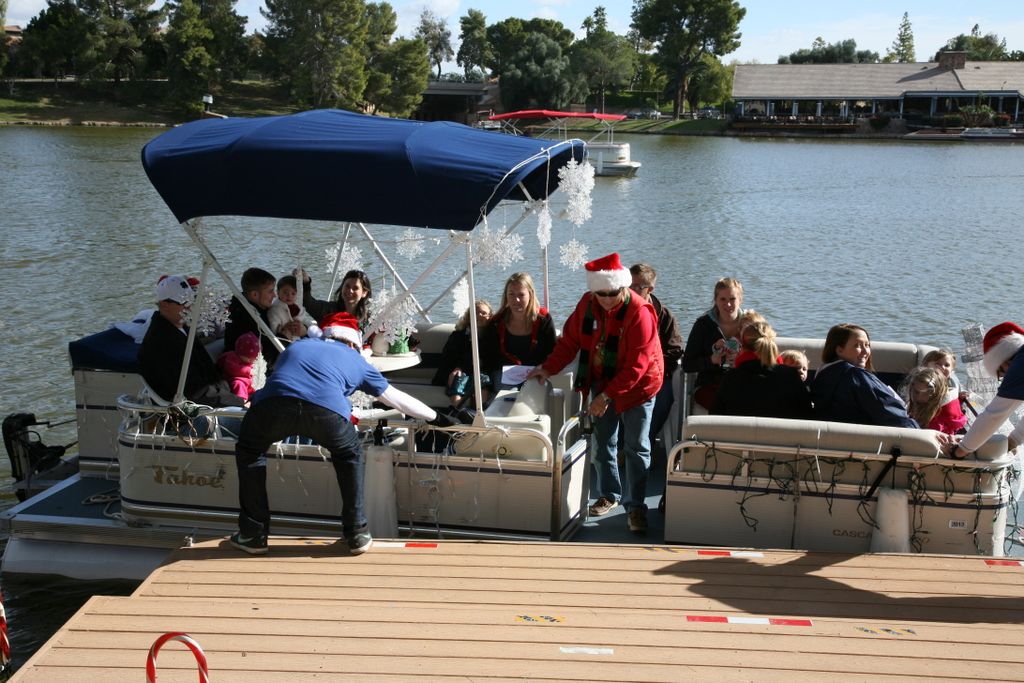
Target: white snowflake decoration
(576, 181)
(495, 249)
(543, 224)
(208, 313)
(361, 401)
(460, 297)
(574, 254)
(410, 245)
(351, 258)
(259, 372)
(400, 322)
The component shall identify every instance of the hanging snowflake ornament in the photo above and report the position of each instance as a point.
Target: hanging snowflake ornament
(573, 254)
(400, 322)
(492, 248)
(410, 245)
(351, 258)
(208, 313)
(576, 181)
(259, 372)
(360, 400)
(543, 223)
(460, 297)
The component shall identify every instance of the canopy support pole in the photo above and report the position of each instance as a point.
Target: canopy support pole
(474, 336)
(179, 393)
(443, 256)
(526, 212)
(192, 230)
(337, 262)
(394, 273)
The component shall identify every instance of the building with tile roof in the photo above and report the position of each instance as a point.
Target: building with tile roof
(909, 90)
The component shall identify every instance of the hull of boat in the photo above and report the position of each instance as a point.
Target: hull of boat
(612, 159)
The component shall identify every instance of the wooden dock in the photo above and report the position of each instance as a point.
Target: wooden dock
(468, 610)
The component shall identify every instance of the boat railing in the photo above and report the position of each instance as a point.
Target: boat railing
(743, 449)
(141, 417)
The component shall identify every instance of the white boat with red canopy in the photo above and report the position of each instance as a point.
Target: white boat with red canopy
(609, 158)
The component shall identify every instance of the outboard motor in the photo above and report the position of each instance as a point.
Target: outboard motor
(30, 457)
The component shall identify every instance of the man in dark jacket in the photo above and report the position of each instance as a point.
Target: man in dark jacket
(163, 352)
(644, 279)
(258, 288)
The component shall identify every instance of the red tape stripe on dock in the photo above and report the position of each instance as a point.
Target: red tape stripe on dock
(761, 621)
(1004, 563)
(730, 553)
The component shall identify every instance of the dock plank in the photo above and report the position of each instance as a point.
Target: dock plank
(546, 611)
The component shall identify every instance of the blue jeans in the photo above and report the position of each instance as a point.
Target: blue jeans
(275, 418)
(636, 425)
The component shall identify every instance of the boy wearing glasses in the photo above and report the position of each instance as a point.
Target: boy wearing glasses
(644, 279)
(615, 332)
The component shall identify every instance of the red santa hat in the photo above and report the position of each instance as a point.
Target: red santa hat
(607, 273)
(341, 326)
(248, 345)
(1002, 343)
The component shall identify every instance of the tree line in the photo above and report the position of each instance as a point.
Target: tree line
(344, 53)
(978, 48)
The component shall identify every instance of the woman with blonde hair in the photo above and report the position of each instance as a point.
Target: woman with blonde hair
(759, 385)
(713, 343)
(521, 332)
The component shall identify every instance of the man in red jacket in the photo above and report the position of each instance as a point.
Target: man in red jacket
(616, 334)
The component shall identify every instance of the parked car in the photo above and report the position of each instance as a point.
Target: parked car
(652, 114)
(709, 113)
(634, 114)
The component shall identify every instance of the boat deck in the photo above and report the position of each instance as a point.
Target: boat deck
(447, 610)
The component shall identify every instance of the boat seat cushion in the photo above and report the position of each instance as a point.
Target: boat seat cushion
(814, 434)
(891, 360)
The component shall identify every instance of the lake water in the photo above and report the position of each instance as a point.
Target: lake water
(910, 240)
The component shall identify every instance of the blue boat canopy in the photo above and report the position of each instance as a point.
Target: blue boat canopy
(340, 166)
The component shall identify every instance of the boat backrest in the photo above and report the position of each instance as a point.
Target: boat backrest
(816, 451)
(432, 338)
(891, 360)
(531, 400)
(535, 406)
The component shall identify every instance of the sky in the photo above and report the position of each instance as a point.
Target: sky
(770, 28)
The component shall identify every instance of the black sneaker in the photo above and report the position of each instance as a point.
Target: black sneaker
(257, 545)
(359, 543)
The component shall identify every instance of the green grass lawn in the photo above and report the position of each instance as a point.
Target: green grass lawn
(131, 102)
(146, 102)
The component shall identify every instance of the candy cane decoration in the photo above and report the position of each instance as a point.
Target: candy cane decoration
(204, 673)
(5, 644)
